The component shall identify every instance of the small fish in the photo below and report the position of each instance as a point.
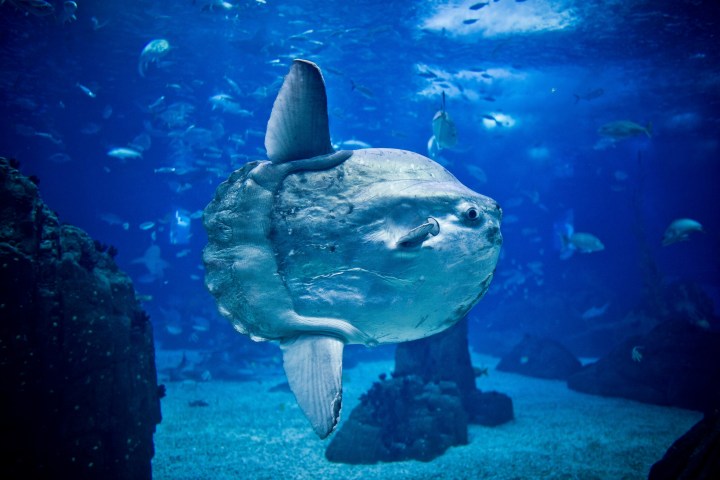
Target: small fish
(200, 324)
(352, 145)
(124, 153)
(623, 129)
(470, 21)
(362, 90)
(236, 139)
(586, 242)
(166, 170)
(157, 104)
(97, 24)
(59, 158)
(113, 219)
(218, 5)
(172, 328)
(146, 225)
(444, 129)
(86, 90)
(233, 85)
(49, 136)
(334, 71)
(594, 312)
(679, 230)
(153, 262)
(478, 6)
(152, 53)
(67, 14)
(427, 74)
(591, 95)
(228, 104)
(39, 8)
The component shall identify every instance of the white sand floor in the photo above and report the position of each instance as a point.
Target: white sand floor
(248, 433)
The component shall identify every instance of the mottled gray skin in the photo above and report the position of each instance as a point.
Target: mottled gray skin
(239, 258)
(337, 239)
(312, 246)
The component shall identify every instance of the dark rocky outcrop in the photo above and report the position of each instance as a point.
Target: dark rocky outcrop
(676, 363)
(424, 409)
(695, 455)
(445, 358)
(400, 419)
(79, 395)
(540, 357)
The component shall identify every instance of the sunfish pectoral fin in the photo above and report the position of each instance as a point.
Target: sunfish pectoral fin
(298, 126)
(313, 365)
(418, 234)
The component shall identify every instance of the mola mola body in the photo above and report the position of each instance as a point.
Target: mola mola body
(316, 248)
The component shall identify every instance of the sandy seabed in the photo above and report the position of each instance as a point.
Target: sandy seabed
(247, 432)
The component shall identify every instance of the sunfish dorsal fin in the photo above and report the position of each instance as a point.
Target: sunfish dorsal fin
(298, 126)
(313, 365)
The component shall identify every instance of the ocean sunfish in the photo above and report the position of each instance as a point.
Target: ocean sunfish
(317, 248)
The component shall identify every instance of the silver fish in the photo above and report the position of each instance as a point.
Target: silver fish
(444, 128)
(679, 230)
(152, 53)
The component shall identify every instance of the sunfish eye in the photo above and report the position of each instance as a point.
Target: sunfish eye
(472, 213)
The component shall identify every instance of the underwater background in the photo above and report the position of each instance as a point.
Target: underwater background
(600, 117)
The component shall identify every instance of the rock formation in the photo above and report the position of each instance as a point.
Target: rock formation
(676, 364)
(695, 455)
(401, 419)
(424, 409)
(79, 389)
(541, 358)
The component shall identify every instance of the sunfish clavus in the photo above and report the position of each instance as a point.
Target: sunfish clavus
(316, 248)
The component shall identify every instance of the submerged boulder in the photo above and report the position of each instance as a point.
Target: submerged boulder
(401, 419)
(695, 455)
(79, 393)
(540, 357)
(445, 357)
(675, 364)
(424, 409)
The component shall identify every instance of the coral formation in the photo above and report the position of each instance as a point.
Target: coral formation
(424, 409)
(79, 393)
(676, 363)
(540, 357)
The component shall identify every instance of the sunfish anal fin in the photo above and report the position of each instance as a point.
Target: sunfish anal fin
(313, 365)
(298, 126)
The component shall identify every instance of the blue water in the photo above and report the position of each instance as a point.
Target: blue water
(511, 79)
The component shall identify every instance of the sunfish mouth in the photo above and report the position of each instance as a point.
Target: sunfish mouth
(419, 234)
